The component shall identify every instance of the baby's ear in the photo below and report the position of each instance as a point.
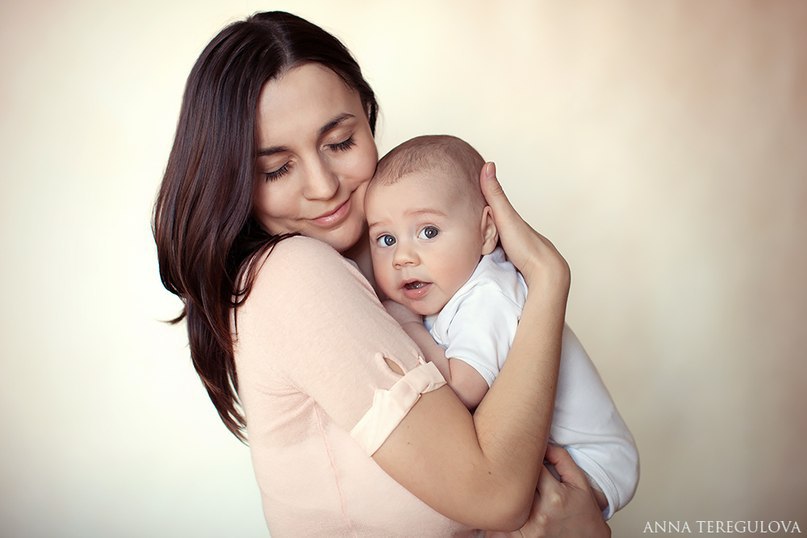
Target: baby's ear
(490, 235)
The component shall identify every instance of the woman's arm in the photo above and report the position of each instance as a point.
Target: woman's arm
(482, 470)
(562, 507)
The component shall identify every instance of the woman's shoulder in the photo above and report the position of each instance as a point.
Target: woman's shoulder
(304, 264)
(302, 247)
(299, 255)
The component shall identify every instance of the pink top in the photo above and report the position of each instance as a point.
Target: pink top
(320, 399)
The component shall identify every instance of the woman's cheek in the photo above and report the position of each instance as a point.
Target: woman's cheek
(273, 204)
(365, 163)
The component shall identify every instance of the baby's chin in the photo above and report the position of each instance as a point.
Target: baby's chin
(424, 310)
(421, 308)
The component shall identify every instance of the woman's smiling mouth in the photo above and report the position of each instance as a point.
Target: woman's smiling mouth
(332, 218)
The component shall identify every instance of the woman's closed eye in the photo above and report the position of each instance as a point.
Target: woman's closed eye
(344, 145)
(276, 173)
(428, 232)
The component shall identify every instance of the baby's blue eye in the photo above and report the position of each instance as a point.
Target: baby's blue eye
(385, 240)
(428, 232)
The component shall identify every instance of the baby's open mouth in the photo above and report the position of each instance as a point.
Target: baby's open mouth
(414, 285)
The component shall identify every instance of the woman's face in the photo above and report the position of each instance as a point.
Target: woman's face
(316, 155)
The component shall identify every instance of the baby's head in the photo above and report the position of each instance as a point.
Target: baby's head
(428, 222)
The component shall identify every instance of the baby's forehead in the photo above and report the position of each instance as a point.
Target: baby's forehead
(462, 186)
(442, 175)
(441, 188)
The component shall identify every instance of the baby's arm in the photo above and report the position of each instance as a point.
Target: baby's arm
(467, 383)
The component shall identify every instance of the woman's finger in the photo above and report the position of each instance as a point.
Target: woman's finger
(515, 234)
(565, 466)
(495, 197)
(562, 509)
(533, 254)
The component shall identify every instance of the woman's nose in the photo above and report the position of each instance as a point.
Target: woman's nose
(404, 255)
(321, 182)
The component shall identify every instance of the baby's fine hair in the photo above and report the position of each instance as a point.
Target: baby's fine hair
(432, 152)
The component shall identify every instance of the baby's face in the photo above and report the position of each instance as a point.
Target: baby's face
(426, 238)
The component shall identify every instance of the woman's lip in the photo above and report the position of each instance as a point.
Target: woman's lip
(334, 217)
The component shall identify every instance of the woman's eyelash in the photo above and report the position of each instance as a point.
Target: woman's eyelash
(344, 145)
(283, 170)
(276, 174)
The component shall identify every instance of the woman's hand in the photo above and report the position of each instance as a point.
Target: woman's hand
(564, 508)
(533, 254)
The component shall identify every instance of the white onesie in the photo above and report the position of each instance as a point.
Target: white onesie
(477, 326)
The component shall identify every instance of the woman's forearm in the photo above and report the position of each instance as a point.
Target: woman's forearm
(513, 419)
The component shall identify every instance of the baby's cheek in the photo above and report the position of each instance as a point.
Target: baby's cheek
(379, 274)
(387, 285)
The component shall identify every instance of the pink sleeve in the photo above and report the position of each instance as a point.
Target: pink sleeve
(313, 325)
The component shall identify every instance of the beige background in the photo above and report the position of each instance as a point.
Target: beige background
(661, 145)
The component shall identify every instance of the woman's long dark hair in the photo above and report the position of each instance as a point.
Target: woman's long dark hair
(202, 222)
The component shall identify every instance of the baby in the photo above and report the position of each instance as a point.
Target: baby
(435, 256)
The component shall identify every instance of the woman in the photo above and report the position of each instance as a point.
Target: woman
(350, 432)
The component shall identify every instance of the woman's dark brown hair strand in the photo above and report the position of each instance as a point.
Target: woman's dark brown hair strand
(202, 221)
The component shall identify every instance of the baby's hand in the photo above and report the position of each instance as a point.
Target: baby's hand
(401, 314)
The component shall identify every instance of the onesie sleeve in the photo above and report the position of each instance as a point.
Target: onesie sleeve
(312, 327)
(482, 329)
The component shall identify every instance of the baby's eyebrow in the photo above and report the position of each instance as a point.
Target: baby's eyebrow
(426, 211)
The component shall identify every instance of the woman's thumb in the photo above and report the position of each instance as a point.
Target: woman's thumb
(493, 192)
(490, 184)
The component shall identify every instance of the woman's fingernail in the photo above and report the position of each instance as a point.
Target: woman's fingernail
(490, 170)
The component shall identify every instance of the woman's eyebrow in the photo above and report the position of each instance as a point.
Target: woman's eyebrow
(335, 122)
(264, 152)
(332, 124)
